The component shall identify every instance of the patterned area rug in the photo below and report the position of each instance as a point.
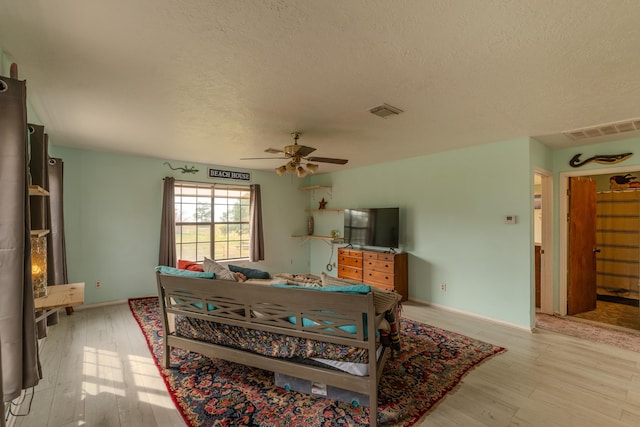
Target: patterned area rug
(211, 392)
(588, 331)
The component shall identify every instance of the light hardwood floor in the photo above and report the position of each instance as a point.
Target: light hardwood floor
(99, 372)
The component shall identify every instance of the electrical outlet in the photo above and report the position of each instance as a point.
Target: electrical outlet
(443, 287)
(98, 283)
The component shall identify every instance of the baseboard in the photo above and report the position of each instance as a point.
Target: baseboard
(474, 315)
(99, 304)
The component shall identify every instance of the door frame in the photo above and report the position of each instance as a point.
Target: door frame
(546, 266)
(563, 229)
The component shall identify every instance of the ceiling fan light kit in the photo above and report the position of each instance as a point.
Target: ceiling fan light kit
(296, 154)
(312, 168)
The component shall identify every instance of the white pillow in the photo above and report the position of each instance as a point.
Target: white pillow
(220, 270)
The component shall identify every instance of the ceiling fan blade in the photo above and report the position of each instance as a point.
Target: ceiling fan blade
(304, 150)
(327, 160)
(264, 158)
(273, 151)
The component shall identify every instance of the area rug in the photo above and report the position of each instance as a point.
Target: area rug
(210, 392)
(588, 331)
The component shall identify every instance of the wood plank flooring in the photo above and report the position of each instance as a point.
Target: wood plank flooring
(99, 372)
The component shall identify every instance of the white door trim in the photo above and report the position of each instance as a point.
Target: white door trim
(546, 258)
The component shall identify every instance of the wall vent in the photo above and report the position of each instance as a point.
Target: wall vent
(604, 130)
(385, 110)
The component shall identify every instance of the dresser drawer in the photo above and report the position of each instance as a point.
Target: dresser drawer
(379, 256)
(350, 253)
(381, 286)
(369, 256)
(345, 272)
(376, 265)
(379, 277)
(386, 257)
(350, 261)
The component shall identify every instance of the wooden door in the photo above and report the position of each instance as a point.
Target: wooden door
(581, 265)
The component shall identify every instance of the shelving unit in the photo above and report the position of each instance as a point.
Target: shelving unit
(36, 190)
(327, 239)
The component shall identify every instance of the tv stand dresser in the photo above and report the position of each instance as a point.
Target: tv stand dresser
(384, 270)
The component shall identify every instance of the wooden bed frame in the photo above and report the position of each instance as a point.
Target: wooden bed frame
(269, 308)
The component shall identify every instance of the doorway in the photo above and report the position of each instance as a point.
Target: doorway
(600, 259)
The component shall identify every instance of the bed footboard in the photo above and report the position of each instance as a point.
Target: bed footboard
(337, 318)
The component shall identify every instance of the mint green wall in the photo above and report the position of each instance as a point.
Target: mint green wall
(112, 220)
(452, 208)
(452, 204)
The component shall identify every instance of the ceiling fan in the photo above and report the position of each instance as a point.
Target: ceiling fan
(296, 155)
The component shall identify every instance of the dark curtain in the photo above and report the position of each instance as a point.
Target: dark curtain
(256, 238)
(56, 246)
(18, 342)
(57, 249)
(168, 225)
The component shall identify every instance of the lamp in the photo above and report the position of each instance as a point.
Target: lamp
(294, 166)
(291, 166)
(39, 265)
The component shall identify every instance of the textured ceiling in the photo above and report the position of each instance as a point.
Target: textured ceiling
(214, 81)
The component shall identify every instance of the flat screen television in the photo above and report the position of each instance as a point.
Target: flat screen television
(372, 227)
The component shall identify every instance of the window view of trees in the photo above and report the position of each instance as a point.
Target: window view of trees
(211, 221)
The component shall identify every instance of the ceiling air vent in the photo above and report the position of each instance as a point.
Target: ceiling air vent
(604, 130)
(385, 110)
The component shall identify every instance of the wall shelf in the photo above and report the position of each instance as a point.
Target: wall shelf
(327, 239)
(325, 210)
(315, 187)
(39, 233)
(36, 190)
(313, 236)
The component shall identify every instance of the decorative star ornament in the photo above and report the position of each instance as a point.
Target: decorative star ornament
(323, 204)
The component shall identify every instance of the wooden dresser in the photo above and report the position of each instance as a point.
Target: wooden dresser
(383, 270)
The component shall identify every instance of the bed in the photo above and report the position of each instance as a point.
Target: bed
(290, 324)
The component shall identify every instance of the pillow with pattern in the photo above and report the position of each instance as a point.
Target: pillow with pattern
(220, 270)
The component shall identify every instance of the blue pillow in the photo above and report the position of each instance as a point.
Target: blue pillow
(350, 329)
(251, 273)
(210, 307)
(355, 289)
(185, 273)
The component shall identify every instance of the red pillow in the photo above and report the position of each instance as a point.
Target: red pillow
(183, 264)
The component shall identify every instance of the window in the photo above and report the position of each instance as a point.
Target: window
(212, 220)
